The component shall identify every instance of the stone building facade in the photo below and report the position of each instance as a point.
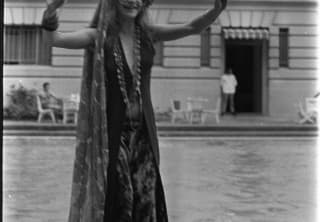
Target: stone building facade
(270, 45)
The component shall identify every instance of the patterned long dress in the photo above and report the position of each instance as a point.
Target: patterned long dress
(133, 192)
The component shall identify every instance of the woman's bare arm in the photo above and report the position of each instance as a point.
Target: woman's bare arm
(172, 32)
(72, 40)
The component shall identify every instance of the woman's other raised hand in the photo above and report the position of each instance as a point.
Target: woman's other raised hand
(55, 4)
(50, 17)
(220, 4)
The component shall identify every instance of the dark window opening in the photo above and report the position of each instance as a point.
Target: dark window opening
(205, 47)
(284, 47)
(25, 44)
(158, 58)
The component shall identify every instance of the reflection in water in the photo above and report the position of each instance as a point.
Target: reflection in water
(244, 180)
(248, 179)
(212, 180)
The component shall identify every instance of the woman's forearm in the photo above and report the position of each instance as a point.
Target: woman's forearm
(71, 40)
(203, 21)
(200, 23)
(173, 32)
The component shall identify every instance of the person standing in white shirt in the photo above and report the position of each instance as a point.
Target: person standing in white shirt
(228, 84)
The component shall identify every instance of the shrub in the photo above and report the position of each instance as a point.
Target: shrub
(22, 104)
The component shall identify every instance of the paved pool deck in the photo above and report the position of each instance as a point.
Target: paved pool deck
(240, 125)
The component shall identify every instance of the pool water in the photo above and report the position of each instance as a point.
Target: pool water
(205, 179)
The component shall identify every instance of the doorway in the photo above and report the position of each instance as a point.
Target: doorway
(244, 57)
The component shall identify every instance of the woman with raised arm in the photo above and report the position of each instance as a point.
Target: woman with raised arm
(116, 171)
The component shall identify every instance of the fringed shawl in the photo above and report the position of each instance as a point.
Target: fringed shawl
(92, 154)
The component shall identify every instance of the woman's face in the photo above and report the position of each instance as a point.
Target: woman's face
(130, 8)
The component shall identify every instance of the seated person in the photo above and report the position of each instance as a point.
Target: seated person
(49, 100)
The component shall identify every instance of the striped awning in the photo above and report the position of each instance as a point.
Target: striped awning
(23, 15)
(245, 33)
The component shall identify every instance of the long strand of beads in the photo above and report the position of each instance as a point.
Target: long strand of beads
(120, 74)
(136, 76)
(138, 64)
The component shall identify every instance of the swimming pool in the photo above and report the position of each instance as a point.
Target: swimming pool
(205, 179)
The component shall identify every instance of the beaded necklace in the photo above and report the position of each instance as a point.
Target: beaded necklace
(136, 75)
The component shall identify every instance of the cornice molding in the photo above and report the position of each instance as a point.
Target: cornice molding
(231, 3)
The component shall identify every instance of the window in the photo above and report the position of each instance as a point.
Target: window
(284, 47)
(158, 58)
(24, 44)
(205, 47)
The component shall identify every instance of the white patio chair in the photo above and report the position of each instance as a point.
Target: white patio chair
(42, 112)
(177, 110)
(215, 112)
(312, 107)
(304, 116)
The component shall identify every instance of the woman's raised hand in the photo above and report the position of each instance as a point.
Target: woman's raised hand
(55, 4)
(50, 17)
(220, 4)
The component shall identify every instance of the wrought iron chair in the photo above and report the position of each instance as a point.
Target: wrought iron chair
(195, 108)
(70, 109)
